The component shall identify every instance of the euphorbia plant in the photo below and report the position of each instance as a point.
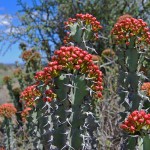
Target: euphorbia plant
(7, 111)
(69, 83)
(131, 38)
(83, 31)
(14, 93)
(65, 94)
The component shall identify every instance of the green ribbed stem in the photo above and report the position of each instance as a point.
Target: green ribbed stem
(129, 60)
(9, 135)
(69, 118)
(60, 116)
(77, 118)
(43, 125)
(144, 143)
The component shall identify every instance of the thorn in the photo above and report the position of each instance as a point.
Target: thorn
(48, 123)
(66, 133)
(85, 126)
(57, 117)
(69, 110)
(48, 104)
(69, 85)
(89, 113)
(67, 145)
(68, 122)
(68, 74)
(88, 78)
(44, 106)
(56, 107)
(47, 132)
(64, 147)
(50, 140)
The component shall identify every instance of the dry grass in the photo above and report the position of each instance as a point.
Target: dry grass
(109, 136)
(4, 95)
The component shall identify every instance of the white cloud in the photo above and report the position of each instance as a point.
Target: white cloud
(36, 14)
(5, 20)
(6, 25)
(15, 30)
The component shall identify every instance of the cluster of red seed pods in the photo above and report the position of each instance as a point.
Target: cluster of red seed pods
(7, 110)
(136, 121)
(25, 113)
(128, 27)
(28, 95)
(146, 87)
(84, 21)
(30, 55)
(71, 59)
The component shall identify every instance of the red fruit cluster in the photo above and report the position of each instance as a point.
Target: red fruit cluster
(136, 121)
(25, 113)
(48, 73)
(49, 96)
(84, 20)
(7, 110)
(30, 55)
(28, 95)
(128, 27)
(71, 59)
(90, 20)
(146, 87)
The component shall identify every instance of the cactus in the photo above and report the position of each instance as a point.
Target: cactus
(43, 119)
(9, 135)
(82, 31)
(73, 121)
(30, 115)
(130, 46)
(7, 111)
(66, 129)
(69, 88)
(24, 77)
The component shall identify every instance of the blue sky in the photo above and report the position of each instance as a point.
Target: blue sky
(8, 8)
